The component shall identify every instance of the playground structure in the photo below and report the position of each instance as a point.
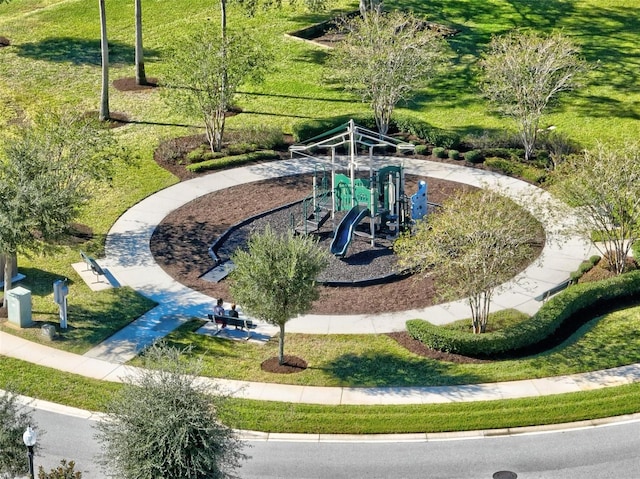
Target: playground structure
(380, 197)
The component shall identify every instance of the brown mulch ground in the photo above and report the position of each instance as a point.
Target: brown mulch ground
(129, 84)
(180, 243)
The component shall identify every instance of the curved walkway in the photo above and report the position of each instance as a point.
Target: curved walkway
(130, 260)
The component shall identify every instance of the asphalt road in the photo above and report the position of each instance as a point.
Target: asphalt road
(604, 452)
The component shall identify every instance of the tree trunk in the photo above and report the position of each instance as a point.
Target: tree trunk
(8, 275)
(104, 46)
(281, 346)
(141, 78)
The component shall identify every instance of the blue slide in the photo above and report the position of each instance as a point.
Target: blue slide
(344, 232)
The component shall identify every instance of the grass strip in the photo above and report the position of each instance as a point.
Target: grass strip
(269, 416)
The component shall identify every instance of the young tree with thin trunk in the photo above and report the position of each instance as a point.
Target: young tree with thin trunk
(47, 173)
(472, 245)
(206, 71)
(385, 58)
(523, 75)
(104, 113)
(164, 424)
(603, 187)
(275, 278)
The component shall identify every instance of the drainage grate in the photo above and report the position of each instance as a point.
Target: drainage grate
(505, 475)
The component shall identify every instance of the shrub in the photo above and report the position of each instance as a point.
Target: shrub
(508, 167)
(446, 139)
(474, 156)
(533, 175)
(229, 161)
(439, 152)
(412, 126)
(66, 470)
(454, 154)
(594, 259)
(202, 153)
(308, 129)
(262, 137)
(421, 149)
(575, 301)
(241, 148)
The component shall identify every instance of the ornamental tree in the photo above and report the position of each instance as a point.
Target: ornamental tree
(523, 75)
(385, 57)
(205, 72)
(603, 187)
(472, 245)
(275, 277)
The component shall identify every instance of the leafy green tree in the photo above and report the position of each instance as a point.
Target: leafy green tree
(164, 424)
(472, 245)
(385, 57)
(13, 422)
(603, 187)
(47, 172)
(523, 75)
(275, 278)
(206, 71)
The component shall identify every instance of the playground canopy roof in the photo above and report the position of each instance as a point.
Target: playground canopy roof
(350, 134)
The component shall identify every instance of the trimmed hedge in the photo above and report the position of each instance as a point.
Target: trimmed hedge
(577, 299)
(229, 161)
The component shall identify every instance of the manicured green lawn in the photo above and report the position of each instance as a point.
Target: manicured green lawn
(54, 63)
(377, 360)
(64, 388)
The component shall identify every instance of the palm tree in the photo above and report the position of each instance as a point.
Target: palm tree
(104, 47)
(141, 78)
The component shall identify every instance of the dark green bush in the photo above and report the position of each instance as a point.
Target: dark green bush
(202, 153)
(454, 154)
(576, 300)
(439, 152)
(229, 161)
(421, 150)
(241, 148)
(474, 156)
(261, 136)
(508, 167)
(594, 259)
(513, 154)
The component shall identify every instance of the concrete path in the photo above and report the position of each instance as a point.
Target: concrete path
(129, 258)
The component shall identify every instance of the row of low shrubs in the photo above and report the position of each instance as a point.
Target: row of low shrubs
(577, 299)
(232, 161)
(584, 267)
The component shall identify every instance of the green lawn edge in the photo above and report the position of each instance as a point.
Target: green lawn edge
(73, 390)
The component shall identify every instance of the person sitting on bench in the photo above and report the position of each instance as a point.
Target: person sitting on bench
(218, 310)
(232, 312)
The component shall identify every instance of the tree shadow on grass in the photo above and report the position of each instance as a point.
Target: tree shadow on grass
(79, 51)
(387, 370)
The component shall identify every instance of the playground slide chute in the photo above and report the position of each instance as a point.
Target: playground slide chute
(344, 231)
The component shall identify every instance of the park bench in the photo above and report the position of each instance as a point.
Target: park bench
(242, 323)
(92, 264)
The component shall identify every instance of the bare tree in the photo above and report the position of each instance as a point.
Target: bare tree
(472, 245)
(385, 57)
(603, 186)
(524, 73)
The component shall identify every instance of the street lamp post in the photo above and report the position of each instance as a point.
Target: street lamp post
(29, 437)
